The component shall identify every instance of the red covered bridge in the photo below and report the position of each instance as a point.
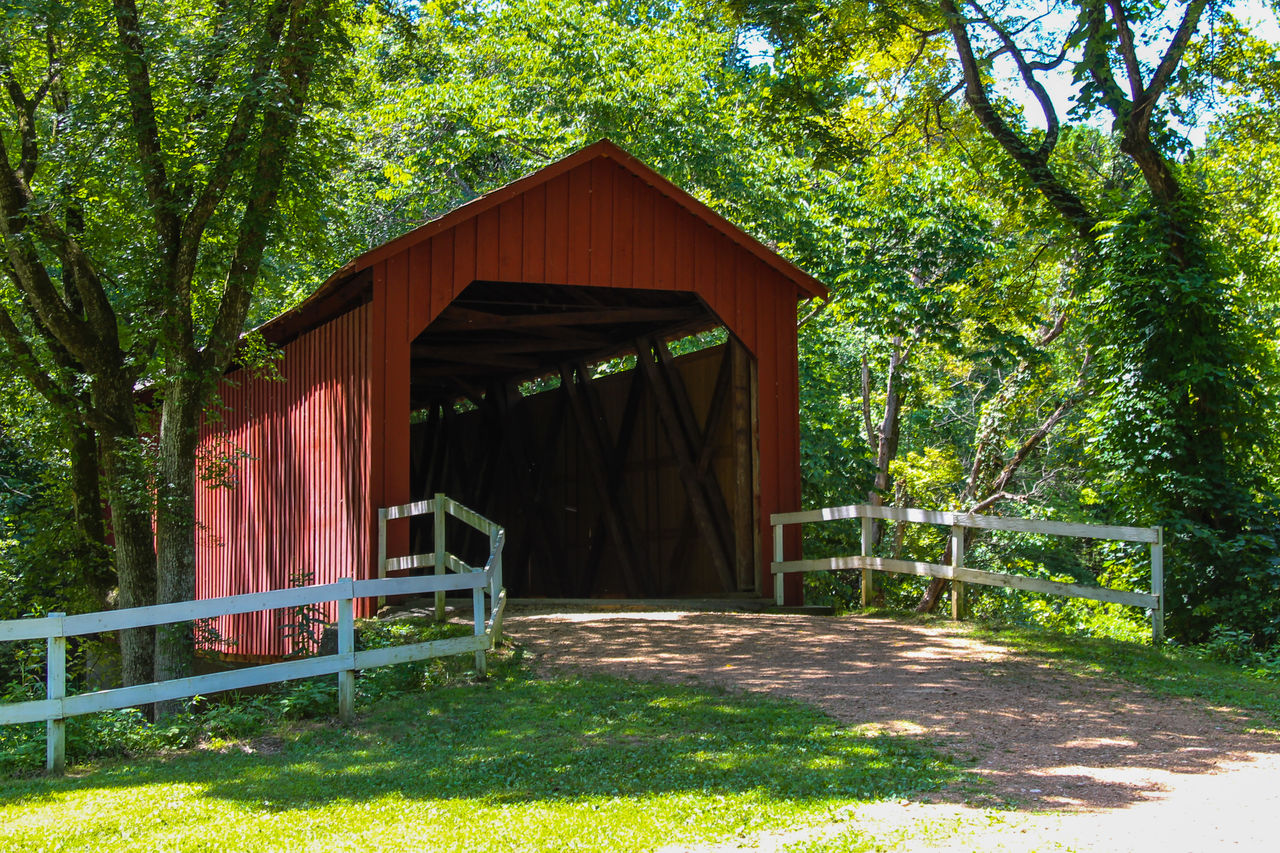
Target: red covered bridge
(516, 354)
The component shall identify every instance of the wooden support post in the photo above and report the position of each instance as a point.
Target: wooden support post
(778, 557)
(346, 646)
(616, 471)
(957, 560)
(56, 688)
(1157, 587)
(744, 520)
(440, 567)
(868, 582)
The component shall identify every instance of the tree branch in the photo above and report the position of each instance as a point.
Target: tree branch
(144, 127)
(281, 118)
(1126, 49)
(233, 146)
(1052, 125)
(1033, 162)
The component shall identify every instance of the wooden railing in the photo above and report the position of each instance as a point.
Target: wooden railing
(56, 627)
(957, 573)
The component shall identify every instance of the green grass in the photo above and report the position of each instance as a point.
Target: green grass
(1168, 671)
(511, 764)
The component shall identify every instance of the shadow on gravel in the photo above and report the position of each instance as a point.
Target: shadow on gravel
(1043, 738)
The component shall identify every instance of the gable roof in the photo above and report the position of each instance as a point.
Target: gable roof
(352, 284)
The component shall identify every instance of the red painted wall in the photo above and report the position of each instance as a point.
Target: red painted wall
(284, 471)
(597, 224)
(310, 459)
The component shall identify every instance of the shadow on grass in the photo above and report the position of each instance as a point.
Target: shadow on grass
(522, 740)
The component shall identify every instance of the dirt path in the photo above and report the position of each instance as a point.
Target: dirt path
(1147, 772)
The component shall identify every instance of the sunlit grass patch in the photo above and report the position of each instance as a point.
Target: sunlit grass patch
(512, 764)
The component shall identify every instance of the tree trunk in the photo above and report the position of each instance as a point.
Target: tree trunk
(175, 529)
(128, 492)
(886, 445)
(86, 496)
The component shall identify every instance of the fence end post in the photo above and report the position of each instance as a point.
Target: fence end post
(957, 560)
(439, 519)
(868, 588)
(56, 688)
(778, 557)
(1157, 587)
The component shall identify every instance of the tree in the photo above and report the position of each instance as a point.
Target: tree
(143, 156)
(1182, 375)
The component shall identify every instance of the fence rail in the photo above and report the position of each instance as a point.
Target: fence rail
(957, 573)
(487, 630)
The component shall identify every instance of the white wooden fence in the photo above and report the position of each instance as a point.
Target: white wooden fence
(957, 573)
(56, 627)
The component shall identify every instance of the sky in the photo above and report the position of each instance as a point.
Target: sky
(1258, 14)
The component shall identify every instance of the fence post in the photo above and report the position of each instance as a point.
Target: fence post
(495, 581)
(957, 560)
(56, 688)
(1157, 587)
(439, 519)
(868, 588)
(778, 558)
(382, 550)
(477, 618)
(346, 646)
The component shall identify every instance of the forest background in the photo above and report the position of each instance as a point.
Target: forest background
(1049, 230)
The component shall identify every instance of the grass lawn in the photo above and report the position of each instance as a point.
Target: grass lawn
(512, 764)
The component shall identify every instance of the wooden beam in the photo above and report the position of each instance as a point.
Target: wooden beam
(597, 462)
(742, 441)
(456, 317)
(617, 468)
(678, 438)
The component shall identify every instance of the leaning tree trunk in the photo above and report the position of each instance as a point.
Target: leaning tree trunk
(175, 529)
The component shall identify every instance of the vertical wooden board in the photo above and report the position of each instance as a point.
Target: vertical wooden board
(704, 264)
(440, 283)
(726, 281)
(378, 392)
(601, 246)
(791, 387)
(511, 239)
(686, 232)
(623, 229)
(419, 259)
(395, 417)
(320, 471)
(488, 236)
(556, 225)
(642, 236)
(464, 260)
(579, 237)
(534, 243)
(767, 410)
(664, 242)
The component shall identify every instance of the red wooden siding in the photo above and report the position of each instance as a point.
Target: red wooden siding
(285, 469)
